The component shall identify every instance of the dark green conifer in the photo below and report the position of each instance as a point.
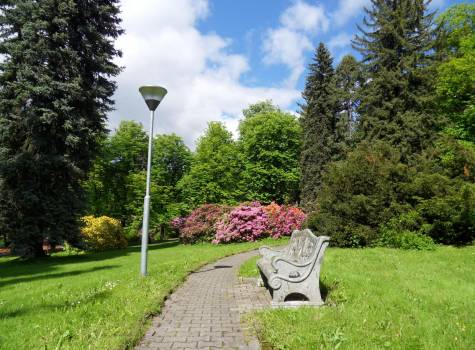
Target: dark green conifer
(318, 123)
(397, 50)
(348, 81)
(55, 91)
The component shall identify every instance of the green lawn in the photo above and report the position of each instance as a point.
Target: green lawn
(93, 301)
(382, 298)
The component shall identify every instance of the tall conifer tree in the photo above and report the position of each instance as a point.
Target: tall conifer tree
(319, 123)
(55, 91)
(348, 81)
(397, 49)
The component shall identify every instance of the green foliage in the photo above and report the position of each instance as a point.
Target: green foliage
(215, 169)
(171, 159)
(116, 185)
(349, 78)
(260, 108)
(364, 196)
(358, 194)
(103, 233)
(404, 232)
(456, 75)
(55, 94)
(319, 125)
(270, 143)
(397, 106)
(122, 154)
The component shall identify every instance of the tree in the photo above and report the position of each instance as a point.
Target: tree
(259, 108)
(171, 159)
(319, 123)
(456, 75)
(215, 169)
(397, 48)
(116, 184)
(122, 154)
(348, 80)
(270, 142)
(54, 96)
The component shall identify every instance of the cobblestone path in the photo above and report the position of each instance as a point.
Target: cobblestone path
(205, 312)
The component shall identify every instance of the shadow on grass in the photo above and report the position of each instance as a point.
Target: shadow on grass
(55, 275)
(17, 267)
(67, 305)
(325, 290)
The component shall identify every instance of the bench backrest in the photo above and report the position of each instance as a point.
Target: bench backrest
(303, 245)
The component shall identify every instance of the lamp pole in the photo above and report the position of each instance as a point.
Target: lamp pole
(152, 95)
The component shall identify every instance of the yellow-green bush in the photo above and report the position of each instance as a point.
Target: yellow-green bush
(103, 233)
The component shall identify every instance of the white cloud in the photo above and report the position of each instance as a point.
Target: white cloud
(302, 16)
(286, 46)
(348, 9)
(288, 43)
(163, 46)
(339, 41)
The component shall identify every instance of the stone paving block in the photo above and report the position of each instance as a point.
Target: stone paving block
(205, 313)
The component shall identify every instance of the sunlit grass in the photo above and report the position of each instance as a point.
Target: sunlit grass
(382, 298)
(93, 301)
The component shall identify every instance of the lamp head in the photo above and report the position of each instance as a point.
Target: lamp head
(153, 95)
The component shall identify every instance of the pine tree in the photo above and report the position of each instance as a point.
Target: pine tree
(348, 81)
(397, 50)
(319, 122)
(55, 91)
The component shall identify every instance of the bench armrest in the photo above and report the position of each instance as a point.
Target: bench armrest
(266, 251)
(276, 259)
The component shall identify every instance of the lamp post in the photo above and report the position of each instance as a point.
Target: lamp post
(152, 95)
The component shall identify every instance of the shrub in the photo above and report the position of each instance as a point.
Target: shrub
(405, 240)
(247, 222)
(178, 223)
(365, 195)
(200, 225)
(358, 194)
(282, 220)
(406, 232)
(103, 233)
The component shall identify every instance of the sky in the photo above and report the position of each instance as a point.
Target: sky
(215, 57)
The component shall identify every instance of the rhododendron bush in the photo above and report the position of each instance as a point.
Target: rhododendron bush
(200, 225)
(282, 220)
(245, 222)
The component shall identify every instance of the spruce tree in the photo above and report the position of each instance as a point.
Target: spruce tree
(397, 50)
(319, 122)
(55, 91)
(348, 81)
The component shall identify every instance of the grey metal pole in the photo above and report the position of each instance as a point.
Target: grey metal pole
(146, 203)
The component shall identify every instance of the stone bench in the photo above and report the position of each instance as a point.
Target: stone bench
(292, 274)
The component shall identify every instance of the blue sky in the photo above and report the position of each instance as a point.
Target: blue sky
(217, 56)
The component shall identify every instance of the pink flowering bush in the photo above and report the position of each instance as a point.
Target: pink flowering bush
(200, 225)
(178, 223)
(246, 222)
(282, 220)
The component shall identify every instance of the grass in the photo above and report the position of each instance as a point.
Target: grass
(381, 298)
(93, 301)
